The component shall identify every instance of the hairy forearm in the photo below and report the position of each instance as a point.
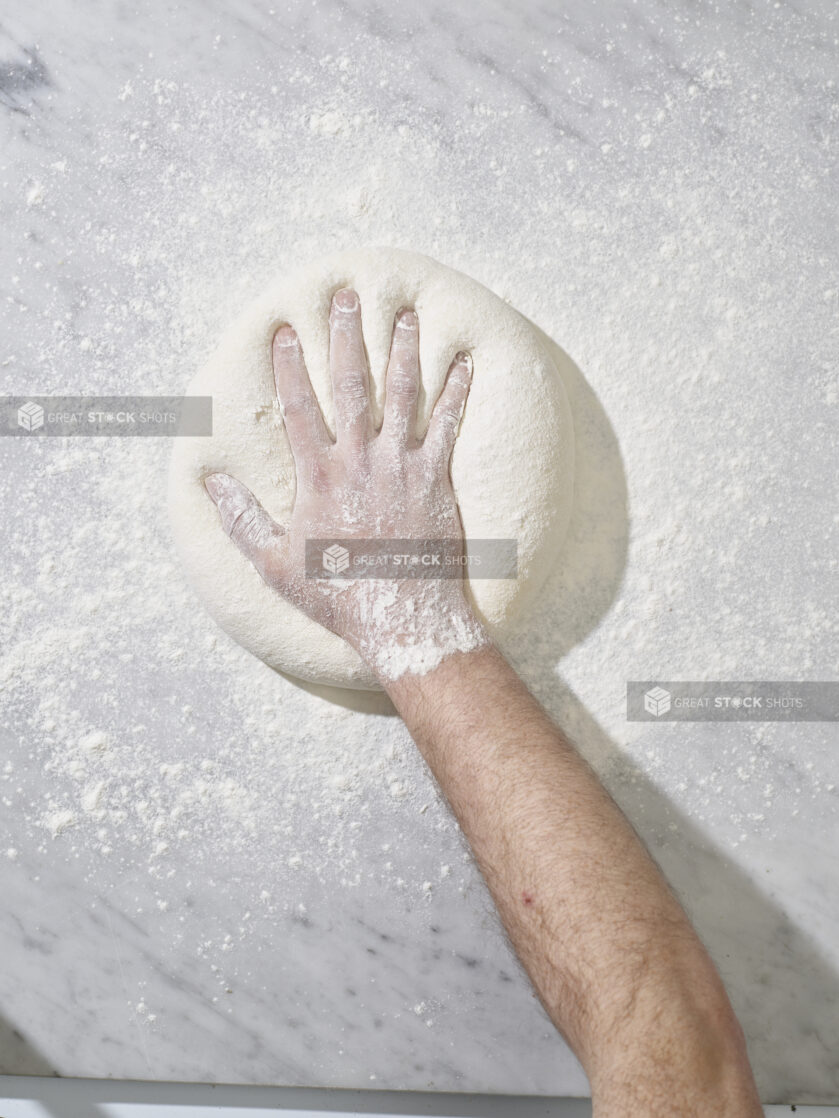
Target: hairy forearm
(611, 954)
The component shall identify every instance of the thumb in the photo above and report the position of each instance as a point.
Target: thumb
(255, 533)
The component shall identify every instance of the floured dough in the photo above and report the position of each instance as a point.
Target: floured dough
(512, 466)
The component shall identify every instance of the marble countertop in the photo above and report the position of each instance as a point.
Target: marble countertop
(195, 888)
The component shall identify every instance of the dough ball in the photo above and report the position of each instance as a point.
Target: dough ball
(512, 466)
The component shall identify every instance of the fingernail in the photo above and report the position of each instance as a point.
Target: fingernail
(407, 318)
(286, 336)
(214, 484)
(465, 359)
(345, 299)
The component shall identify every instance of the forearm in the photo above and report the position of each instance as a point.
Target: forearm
(607, 946)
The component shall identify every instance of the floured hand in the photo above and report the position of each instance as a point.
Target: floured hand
(367, 484)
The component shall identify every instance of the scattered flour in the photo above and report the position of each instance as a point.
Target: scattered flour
(138, 733)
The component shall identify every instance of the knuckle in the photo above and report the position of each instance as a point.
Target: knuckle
(404, 383)
(298, 404)
(243, 527)
(253, 530)
(351, 386)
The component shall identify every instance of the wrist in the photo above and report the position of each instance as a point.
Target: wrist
(409, 629)
(424, 697)
(417, 659)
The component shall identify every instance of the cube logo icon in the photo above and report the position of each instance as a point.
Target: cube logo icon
(335, 559)
(30, 417)
(657, 701)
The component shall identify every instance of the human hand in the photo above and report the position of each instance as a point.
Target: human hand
(367, 484)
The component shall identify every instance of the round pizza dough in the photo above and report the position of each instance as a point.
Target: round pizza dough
(512, 466)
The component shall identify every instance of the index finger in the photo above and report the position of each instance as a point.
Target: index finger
(301, 412)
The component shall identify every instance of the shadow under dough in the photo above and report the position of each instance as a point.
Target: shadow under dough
(589, 568)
